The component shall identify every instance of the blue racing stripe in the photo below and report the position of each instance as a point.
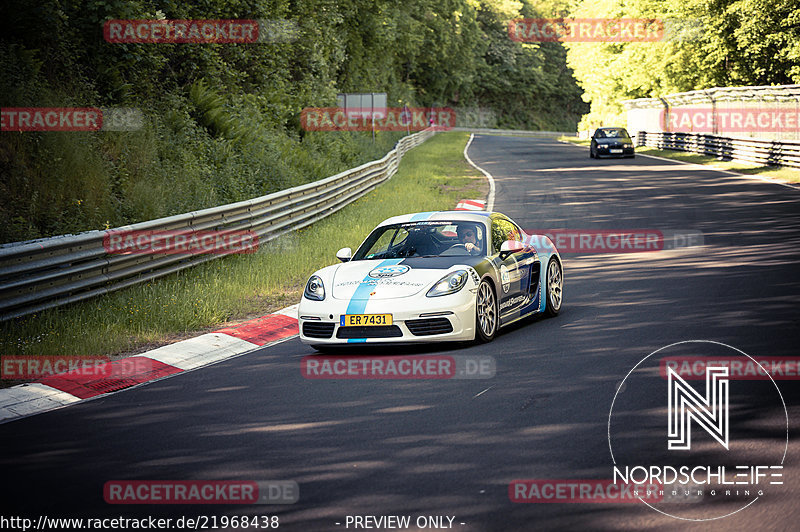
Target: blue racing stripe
(358, 303)
(422, 216)
(542, 295)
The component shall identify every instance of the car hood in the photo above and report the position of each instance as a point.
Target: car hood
(388, 279)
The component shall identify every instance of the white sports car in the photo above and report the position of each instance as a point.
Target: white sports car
(430, 277)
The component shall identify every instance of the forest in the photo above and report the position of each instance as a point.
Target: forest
(718, 43)
(222, 121)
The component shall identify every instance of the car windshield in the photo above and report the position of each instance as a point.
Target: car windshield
(424, 239)
(612, 133)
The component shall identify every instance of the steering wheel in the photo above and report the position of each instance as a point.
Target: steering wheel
(456, 247)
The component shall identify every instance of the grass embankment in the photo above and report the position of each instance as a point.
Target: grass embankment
(779, 173)
(433, 176)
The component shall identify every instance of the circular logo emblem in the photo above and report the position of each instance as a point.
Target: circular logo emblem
(388, 271)
(505, 278)
(698, 430)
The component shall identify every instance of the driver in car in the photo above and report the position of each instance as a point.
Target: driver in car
(469, 237)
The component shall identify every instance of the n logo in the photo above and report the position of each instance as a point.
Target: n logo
(685, 405)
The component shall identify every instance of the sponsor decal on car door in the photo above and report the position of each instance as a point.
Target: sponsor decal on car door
(514, 271)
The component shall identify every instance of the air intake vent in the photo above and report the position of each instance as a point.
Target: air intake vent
(379, 331)
(318, 329)
(429, 326)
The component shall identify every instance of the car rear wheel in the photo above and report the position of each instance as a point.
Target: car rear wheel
(486, 314)
(555, 286)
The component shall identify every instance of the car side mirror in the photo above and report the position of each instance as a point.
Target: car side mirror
(344, 254)
(509, 247)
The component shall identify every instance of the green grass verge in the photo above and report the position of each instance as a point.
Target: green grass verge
(433, 176)
(781, 173)
(575, 140)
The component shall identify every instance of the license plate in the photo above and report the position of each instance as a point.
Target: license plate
(615, 151)
(362, 320)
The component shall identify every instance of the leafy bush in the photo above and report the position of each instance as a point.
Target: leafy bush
(222, 121)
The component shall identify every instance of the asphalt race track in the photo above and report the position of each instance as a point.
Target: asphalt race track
(451, 447)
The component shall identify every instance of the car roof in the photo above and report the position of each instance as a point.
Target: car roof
(458, 216)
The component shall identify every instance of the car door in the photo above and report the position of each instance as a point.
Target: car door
(514, 270)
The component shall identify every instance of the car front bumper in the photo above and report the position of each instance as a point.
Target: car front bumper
(606, 152)
(416, 319)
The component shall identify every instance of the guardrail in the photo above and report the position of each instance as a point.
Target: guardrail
(50, 272)
(772, 152)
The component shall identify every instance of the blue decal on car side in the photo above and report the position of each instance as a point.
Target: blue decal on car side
(543, 282)
(532, 306)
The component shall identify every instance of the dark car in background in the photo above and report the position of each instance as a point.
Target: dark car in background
(611, 142)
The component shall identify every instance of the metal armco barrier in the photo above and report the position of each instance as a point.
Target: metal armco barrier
(46, 273)
(773, 152)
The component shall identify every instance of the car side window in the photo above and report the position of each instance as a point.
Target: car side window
(503, 230)
(497, 236)
(512, 232)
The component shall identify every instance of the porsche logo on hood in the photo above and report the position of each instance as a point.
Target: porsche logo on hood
(388, 271)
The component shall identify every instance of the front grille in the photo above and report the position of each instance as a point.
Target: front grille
(378, 331)
(318, 329)
(429, 326)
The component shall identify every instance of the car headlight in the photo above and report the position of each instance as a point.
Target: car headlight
(602, 146)
(314, 289)
(627, 145)
(449, 284)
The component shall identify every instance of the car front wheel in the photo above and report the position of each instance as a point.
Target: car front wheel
(486, 315)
